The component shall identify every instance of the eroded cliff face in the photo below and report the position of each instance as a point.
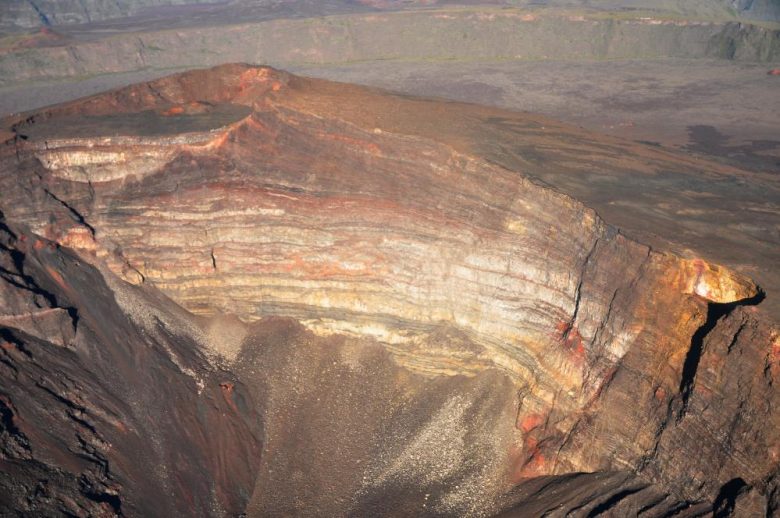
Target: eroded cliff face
(43, 13)
(381, 295)
(342, 33)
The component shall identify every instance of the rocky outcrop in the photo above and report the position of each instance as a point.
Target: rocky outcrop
(463, 307)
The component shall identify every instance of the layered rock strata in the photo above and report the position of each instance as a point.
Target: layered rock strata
(612, 356)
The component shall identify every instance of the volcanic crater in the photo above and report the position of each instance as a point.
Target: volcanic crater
(237, 291)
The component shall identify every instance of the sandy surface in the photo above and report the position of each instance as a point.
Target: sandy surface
(722, 108)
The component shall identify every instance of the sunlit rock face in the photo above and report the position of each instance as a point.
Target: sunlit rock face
(384, 296)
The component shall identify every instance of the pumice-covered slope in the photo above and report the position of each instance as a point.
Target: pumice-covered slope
(411, 328)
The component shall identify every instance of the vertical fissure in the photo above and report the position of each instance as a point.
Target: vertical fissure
(715, 311)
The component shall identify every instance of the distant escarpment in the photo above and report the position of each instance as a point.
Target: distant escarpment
(42, 13)
(481, 33)
(228, 218)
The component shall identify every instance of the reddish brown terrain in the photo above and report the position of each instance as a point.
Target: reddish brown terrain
(237, 291)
